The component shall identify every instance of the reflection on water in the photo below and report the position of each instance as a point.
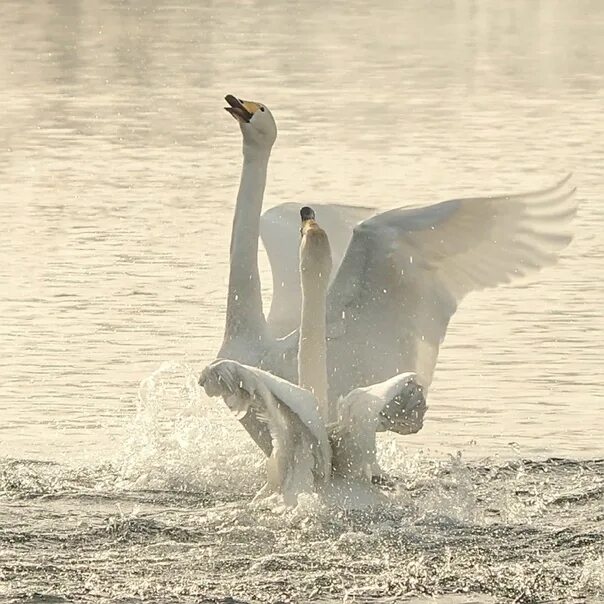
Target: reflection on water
(119, 173)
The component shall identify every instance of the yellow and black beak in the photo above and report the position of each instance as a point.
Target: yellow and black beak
(242, 111)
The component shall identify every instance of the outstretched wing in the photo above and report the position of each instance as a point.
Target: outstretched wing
(280, 231)
(406, 270)
(397, 404)
(268, 401)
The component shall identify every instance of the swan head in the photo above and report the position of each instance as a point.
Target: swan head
(257, 124)
(306, 214)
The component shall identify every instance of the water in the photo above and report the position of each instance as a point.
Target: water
(119, 173)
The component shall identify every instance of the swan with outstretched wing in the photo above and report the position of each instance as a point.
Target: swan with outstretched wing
(401, 277)
(294, 418)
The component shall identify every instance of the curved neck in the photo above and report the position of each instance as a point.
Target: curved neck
(312, 352)
(244, 317)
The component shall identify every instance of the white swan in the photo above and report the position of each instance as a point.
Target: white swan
(301, 458)
(399, 275)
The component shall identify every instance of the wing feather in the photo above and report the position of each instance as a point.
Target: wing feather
(397, 404)
(289, 412)
(406, 270)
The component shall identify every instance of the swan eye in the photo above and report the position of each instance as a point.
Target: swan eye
(261, 108)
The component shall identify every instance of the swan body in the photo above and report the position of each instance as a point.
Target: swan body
(295, 416)
(305, 454)
(398, 276)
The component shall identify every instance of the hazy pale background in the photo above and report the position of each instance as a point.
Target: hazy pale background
(119, 171)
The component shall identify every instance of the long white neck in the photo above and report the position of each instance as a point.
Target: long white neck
(312, 352)
(244, 317)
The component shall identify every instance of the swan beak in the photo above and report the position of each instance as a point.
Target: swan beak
(242, 111)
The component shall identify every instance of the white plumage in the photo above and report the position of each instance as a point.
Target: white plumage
(405, 271)
(398, 404)
(400, 274)
(300, 460)
(276, 228)
(293, 419)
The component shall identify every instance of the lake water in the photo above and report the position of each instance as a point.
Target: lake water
(119, 174)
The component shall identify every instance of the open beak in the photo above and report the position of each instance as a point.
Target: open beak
(242, 111)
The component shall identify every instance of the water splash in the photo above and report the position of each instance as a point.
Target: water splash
(172, 518)
(180, 440)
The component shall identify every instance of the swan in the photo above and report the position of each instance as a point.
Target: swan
(306, 450)
(398, 276)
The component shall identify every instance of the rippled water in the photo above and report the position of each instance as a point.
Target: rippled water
(119, 173)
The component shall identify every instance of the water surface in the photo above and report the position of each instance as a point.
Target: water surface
(119, 173)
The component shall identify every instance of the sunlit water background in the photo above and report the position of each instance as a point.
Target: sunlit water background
(119, 173)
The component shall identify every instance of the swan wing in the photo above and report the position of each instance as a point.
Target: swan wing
(289, 412)
(280, 231)
(397, 404)
(403, 403)
(406, 270)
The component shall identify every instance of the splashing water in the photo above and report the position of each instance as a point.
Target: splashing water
(172, 519)
(181, 441)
